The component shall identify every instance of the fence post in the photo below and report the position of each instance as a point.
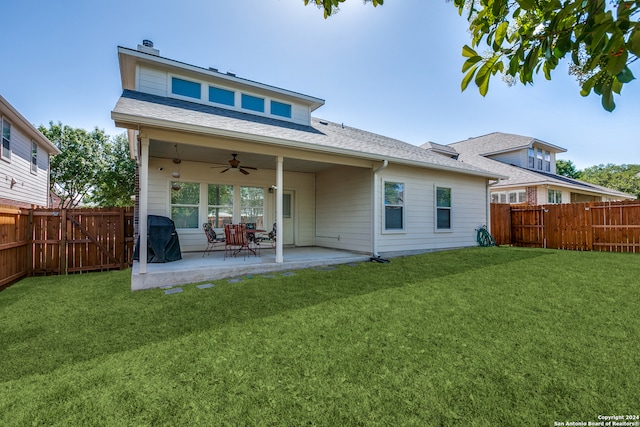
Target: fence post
(30, 249)
(120, 238)
(63, 242)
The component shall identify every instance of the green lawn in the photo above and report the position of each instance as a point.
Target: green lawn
(475, 337)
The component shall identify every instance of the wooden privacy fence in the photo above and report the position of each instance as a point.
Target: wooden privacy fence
(594, 226)
(61, 241)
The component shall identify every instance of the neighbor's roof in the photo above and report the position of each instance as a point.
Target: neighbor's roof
(519, 177)
(135, 108)
(498, 142)
(23, 124)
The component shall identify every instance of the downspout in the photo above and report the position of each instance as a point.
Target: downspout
(376, 208)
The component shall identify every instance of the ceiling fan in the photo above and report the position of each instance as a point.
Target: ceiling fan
(234, 164)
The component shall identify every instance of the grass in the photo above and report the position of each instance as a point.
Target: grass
(475, 337)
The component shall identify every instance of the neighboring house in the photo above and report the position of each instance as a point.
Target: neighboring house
(24, 161)
(530, 165)
(323, 183)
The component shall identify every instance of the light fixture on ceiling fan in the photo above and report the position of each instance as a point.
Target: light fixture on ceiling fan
(234, 166)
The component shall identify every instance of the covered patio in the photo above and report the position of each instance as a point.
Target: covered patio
(194, 267)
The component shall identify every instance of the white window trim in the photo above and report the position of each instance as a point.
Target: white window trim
(383, 223)
(2, 156)
(204, 98)
(31, 165)
(436, 207)
(186, 205)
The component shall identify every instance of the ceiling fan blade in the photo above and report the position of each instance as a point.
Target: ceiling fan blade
(244, 171)
(249, 167)
(225, 170)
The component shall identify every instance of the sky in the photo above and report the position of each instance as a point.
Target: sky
(394, 70)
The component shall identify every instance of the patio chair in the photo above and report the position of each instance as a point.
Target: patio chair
(271, 237)
(251, 234)
(212, 238)
(253, 238)
(236, 240)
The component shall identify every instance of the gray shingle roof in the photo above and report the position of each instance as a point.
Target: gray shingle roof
(136, 107)
(518, 176)
(498, 142)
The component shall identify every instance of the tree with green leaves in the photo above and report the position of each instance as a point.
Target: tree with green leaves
(567, 168)
(116, 183)
(332, 6)
(625, 178)
(524, 37)
(91, 168)
(601, 37)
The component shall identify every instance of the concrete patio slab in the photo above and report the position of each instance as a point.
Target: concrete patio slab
(194, 267)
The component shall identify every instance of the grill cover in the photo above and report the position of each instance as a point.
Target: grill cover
(162, 240)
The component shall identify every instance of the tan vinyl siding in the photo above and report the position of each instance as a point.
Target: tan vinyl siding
(152, 81)
(304, 209)
(469, 208)
(300, 114)
(343, 219)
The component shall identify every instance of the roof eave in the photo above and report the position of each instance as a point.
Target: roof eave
(15, 116)
(131, 121)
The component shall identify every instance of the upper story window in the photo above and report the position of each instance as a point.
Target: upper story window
(547, 161)
(252, 103)
(34, 157)
(222, 96)
(394, 206)
(532, 158)
(6, 140)
(443, 208)
(185, 88)
(538, 159)
(281, 109)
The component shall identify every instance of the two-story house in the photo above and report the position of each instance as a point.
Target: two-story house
(218, 148)
(24, 160)
(530, 165)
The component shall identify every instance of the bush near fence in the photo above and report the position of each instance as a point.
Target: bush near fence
(594, 226)
(62, 241)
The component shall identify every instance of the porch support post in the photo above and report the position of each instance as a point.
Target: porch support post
(144, 191)
(279, 228)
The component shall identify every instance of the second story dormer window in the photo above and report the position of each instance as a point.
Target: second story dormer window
(185, 88)
(539, 159)
(547, 161)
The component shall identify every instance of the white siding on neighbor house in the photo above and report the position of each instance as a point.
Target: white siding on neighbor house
(468, 211)
(194, 239)
(151, 81)
(343, 213)
(518, 158)
(29, 187)
(553, 162)
(543, 194)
